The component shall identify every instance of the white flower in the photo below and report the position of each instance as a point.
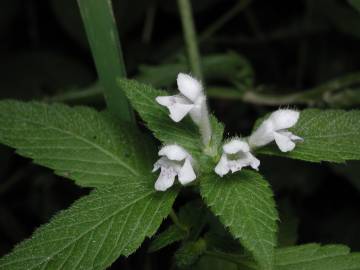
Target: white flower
(236, 155)
(274, 128)
(190, 100)
(174, 161)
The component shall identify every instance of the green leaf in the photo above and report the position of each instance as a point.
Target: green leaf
(171, 235)
(96, 230)
(306, 257)
(329, 135)
(142, 97)
(79, 143)
(244, 203)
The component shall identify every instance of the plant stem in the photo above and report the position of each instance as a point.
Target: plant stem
(190, 37)
(195, 64)
(149, 22)
(101, 30)
(321, 93)
(176, 221)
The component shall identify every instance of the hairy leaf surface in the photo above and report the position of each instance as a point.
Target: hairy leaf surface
(96, 230)
(244, 203)
(79, 143)
(329, 135)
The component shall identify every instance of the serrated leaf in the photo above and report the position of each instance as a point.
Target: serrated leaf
(329, 135)
(96, 230)
(171, 235)
(79, 143)
(244, 203)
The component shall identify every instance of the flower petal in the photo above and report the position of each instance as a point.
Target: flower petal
(282, 119)
(263, 135)
(158, 164)
(245, 159)
(222, 167)
(178, 106)
(178, 111)
(284, 142)
(236, 165)
(171, 100)
(236, 145)
(186, 173)
(166, 178)
(173, 152)
(188, 86)
(165, 100)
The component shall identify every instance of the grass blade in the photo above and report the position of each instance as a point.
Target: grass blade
(101, 30)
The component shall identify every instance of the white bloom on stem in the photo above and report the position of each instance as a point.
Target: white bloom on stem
(275, 128)
(236, 155)
(174, 161)
(190, 99)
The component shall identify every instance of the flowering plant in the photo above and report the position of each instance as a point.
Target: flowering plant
(160, 171)
(129, 204)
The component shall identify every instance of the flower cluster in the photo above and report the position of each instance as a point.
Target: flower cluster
(176, 161)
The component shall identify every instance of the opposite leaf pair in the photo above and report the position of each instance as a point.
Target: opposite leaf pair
(176, 161)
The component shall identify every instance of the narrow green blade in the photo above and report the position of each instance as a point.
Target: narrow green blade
(100, 26)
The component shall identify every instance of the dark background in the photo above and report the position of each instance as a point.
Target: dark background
(292, 46)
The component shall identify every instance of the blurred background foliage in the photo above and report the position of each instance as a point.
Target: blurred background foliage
(256, 56)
